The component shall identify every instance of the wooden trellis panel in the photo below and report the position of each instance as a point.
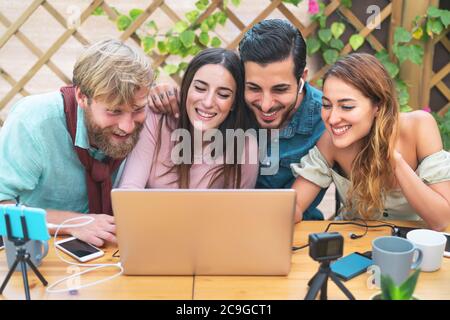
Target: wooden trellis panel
(392, 11)
(437, 78)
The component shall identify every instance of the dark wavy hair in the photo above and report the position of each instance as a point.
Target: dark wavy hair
(238, 118)
(274, 40)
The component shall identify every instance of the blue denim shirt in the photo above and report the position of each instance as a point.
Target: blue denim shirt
(295, 140)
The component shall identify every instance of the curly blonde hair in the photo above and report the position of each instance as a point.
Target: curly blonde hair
(372, 173)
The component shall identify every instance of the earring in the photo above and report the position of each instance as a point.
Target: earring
(301, 85)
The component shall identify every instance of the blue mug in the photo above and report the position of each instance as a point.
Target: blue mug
(395, 257)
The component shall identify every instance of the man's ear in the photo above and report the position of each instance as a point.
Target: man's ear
(305, 74)
(81, 98)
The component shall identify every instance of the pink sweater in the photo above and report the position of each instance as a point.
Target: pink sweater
(141, 171)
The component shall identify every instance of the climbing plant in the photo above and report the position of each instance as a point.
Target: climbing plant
(190, 35)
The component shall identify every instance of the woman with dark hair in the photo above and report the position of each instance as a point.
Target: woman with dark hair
(385, 164)
(199, 148)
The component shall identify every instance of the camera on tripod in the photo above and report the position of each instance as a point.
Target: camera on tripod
(327, 246)
(324, 248)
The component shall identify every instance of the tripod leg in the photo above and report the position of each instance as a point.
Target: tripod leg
(8, 276)
(25, 279)
(312, 280)
(341, 286)
(316, 285)
(324, 289)
(36, 271)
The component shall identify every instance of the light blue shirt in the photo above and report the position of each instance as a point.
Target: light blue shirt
(37, 159)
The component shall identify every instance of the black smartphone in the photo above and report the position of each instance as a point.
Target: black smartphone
(447, 245)
(351, 265)
(402, 231)
(1, 243)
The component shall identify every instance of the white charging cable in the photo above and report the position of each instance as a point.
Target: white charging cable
(65, 224)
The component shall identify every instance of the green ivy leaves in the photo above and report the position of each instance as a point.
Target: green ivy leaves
(356, 41)
(148, 44)
(98, 12)
(180, 26)
(191, 16)
(337, 29)
(337, 44)
(328, 41)
(444, 127)
(325, 35)
(134, 13)
(187, 37)
(405, 52)
(442, 15)
(170, 69)
(204, 38)
(434, 27)
(312, 45)
(215, 42)
(124, 21)
(330, 56)
(402, 35)
(201, 5)
(391, 67)
(294, 2)
(404, 48)
(433, 23)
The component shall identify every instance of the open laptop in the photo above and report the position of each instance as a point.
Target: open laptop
(204, 232)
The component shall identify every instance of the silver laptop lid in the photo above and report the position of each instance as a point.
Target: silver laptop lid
(204, 232)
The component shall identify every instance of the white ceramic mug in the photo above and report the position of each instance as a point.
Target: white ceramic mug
(432, 244)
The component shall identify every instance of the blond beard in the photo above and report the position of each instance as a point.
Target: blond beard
(102, 138)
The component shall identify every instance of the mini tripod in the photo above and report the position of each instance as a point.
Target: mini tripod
(320, 282)
(22, 257)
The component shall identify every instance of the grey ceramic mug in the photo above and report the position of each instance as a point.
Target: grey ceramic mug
(395, 257)
(36, 248)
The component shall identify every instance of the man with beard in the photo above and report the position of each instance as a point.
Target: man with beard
(274, 57)
(61, 151)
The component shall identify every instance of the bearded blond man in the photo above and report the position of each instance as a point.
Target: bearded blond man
(62, 150)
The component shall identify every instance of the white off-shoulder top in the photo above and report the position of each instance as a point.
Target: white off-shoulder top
(432, 169)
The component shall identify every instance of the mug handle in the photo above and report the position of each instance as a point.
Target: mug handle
(418, 261)
(45, 246)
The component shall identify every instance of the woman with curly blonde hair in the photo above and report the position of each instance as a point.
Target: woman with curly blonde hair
(385, 164)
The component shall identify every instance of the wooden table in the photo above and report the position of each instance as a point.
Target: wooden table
(431, 285)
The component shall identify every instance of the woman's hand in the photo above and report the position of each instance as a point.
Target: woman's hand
(164, 98)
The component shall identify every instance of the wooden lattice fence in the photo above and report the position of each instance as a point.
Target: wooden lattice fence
(390, 17)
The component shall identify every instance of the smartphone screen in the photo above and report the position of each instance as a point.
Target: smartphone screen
(78, 247)
(447, 245)
(350, 266)
(2, 244)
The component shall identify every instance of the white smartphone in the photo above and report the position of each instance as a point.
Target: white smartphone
(78, 249)
(447, 245)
